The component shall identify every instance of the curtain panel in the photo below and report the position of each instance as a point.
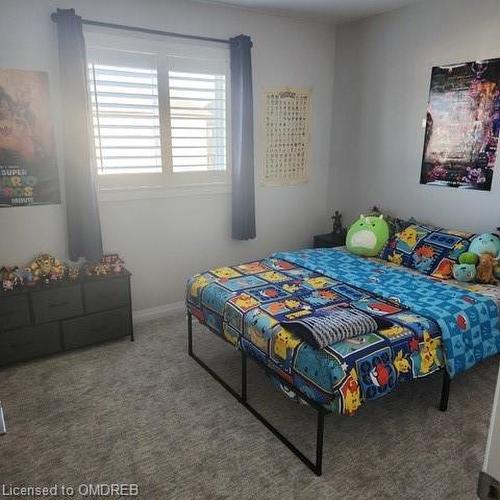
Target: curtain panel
(242, 146)
(83, 225)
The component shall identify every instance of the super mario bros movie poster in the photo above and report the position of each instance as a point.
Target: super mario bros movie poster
(462, 126)
(28, 169)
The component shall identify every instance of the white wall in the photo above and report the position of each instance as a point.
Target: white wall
(492, 457)
(382, 75)
(166, 240)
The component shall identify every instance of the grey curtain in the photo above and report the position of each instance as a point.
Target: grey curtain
(243, 194)
(84, 228)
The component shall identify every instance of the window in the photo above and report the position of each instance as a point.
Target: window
(159, 111)
(197, 121)
(126, 119)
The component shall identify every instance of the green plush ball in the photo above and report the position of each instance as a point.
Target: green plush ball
(468, 258)
(367, 236)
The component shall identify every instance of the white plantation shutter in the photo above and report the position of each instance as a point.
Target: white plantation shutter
(158, 108)
(126, 119)
(197, 121)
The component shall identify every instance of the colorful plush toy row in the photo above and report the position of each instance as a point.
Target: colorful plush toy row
(46, 269)
(481, 262)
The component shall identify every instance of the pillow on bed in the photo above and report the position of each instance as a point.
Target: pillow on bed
(428, 249)
(367, 236)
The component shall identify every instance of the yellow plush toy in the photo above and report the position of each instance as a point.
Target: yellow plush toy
(46, 267)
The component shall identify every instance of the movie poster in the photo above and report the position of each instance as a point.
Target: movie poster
(463, 121)
(28, 169)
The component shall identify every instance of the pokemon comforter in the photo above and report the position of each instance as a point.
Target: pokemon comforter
(427, 324)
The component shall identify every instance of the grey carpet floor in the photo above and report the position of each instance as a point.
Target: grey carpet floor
(146, 413)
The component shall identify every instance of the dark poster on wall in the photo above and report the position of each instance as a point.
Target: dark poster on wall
(463, 122)
(28, 169)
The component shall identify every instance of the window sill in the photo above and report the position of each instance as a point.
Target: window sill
(109, 195)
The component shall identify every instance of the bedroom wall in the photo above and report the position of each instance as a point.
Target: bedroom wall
(165, 239)
(382, 75)
(492, 455)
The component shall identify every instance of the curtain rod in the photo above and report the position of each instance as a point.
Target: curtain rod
(88, 22)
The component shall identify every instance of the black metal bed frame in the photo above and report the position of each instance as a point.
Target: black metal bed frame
(316, 466)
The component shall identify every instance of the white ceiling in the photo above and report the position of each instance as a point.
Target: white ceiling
(328, 10)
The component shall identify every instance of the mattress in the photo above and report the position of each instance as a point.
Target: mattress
(492, 291)
(245, 305)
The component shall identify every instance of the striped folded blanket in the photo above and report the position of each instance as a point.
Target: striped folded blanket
(332, 324)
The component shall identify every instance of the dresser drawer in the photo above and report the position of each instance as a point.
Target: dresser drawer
(29, 342)
(14, 311)
(58, 303)
(96, 328)
(106, 294)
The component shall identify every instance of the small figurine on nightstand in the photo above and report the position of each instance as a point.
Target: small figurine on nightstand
(337, 223)
(334, 239)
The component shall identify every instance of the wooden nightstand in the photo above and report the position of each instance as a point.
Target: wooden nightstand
(329, 240)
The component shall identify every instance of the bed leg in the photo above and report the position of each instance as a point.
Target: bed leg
(445, 391)
(243, 397)
(318, 468)
(190, 332)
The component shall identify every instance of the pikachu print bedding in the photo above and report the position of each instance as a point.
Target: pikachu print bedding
(246, 305)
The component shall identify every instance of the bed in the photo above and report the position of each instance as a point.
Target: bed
(424, 326)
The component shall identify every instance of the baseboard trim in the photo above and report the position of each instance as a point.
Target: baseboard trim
(157, 312)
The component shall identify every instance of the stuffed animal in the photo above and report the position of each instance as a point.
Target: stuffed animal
(7, 285)
(10, 278)
(483, 251)
(485, 243)
(27, 276)
(101, 269)
(47, 268)
(367, 236)
(468, 258)
(485, 269)
(464, 272)
(73, 271)
(114, 262)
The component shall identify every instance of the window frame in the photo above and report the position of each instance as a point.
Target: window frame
(169, 55)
